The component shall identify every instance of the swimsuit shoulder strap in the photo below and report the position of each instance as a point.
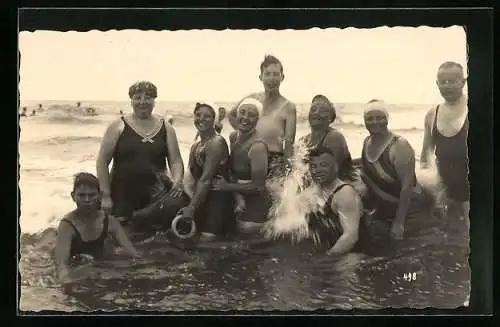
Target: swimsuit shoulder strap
(105, 228)
(434, 121)
(69, 222)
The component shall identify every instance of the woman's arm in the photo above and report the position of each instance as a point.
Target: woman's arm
(174, 156)
(348, 205)
(106, 152)
(403, 158)
(65, 234)
(259, 163)
(116, 229)
(214, 153)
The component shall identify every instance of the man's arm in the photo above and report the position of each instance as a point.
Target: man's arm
(174, 156)
(106, 151)
(290, 129)
(348, 205)
(428, 143)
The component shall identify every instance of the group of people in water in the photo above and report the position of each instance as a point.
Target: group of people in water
(225, 189)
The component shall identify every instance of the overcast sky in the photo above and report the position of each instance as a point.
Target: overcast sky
(348, 65)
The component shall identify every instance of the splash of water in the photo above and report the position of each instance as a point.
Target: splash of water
(294, 199)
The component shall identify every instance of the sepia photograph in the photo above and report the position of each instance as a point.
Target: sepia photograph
(242, 170)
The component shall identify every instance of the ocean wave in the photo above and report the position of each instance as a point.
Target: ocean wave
(59, 140)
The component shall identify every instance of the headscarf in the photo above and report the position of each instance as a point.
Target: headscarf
(377, 105)
(143, 86)
(331, 107)
(254, 102)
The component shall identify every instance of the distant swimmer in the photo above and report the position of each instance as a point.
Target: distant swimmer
(121, 113)
(222, 115)
(24, 112)
(85, 229)
(277, 126)
(33, 112)
(446, 130)
(170, 119)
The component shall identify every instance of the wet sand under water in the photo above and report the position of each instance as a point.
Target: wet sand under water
(236, 276)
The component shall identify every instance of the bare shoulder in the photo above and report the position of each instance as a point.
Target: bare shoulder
(335, 135)
(291, 108)
(257, 148)
(116, 126)
(429, 116)
(67, 219)
(346, 194)
(402, 144)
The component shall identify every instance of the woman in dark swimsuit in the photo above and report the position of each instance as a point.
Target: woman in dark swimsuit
(85, 229)
(249, 167)
(138, 144)
(321, 115)
(208, 159)
(388, 163)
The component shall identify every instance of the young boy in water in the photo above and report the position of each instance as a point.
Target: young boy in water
(85, 229)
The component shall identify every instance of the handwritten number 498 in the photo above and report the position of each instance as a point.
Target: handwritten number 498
(409, 277)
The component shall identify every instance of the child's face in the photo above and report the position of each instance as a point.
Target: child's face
(86, 197)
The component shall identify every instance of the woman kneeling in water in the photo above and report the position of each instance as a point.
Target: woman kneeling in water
(85, 229)
(334, 226)
(208, 160)
(388, 163)
(249, 167)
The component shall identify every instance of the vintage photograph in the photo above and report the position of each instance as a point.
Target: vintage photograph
(244, 170)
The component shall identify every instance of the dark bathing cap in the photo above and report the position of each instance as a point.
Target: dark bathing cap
(143, 86)
(324, 99)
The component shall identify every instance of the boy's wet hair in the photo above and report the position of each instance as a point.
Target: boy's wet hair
(317, 152)
(86, 179)
(270, 60)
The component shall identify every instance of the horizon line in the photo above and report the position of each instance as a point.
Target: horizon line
(216, 101)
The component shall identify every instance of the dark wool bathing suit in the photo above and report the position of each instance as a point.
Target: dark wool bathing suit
(385, 188)
(326, 224)
(132, 175)
(452, 160)
(95, 247)
(214, 213)
(257, 204)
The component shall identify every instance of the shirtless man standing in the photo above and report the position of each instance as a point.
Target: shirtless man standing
(277, 126)
(446, 129)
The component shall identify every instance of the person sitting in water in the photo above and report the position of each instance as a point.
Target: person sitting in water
(321, 114)
(85, 229)
(208, 159)
(277, 124)
(388, 165)
(140, 140)
(249, 168)
(446, 129)
(335, 226)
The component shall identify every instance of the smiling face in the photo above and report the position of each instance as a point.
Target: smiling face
(247, 118)
(320, 114)
(323, 168)
(450, 81)
(271, 77)
(204, 118)
(143, 104)
(376, 121)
